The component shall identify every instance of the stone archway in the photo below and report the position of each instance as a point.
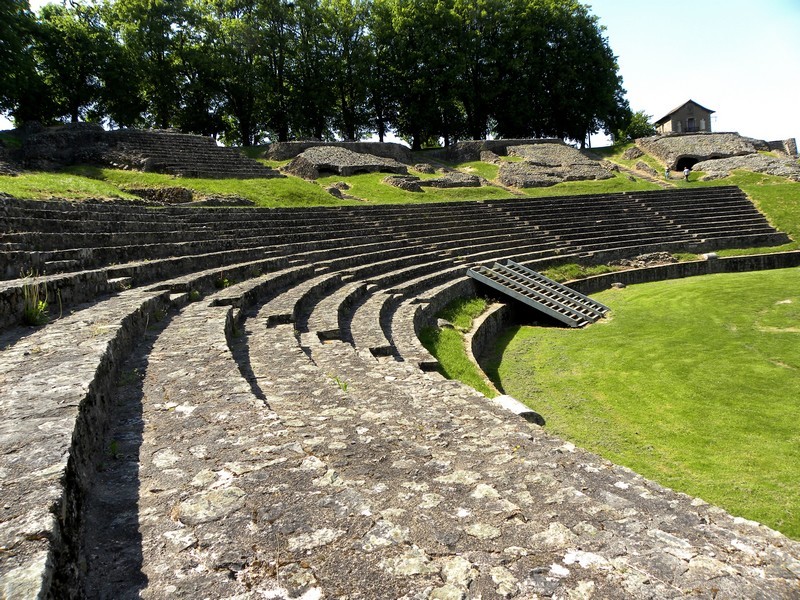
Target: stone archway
(685, 161)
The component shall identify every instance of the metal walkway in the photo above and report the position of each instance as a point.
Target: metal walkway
(540, 292)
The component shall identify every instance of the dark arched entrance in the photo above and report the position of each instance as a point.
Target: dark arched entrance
(685, 161)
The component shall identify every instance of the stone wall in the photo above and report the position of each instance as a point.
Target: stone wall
(471, 149)
(789, 146)
(672, 149)
(733, 264)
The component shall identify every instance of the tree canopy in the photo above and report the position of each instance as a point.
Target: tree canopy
(251, 70)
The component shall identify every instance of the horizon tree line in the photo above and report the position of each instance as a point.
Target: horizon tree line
(246, 71)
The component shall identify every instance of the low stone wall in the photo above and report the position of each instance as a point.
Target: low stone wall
(733, 264)
(426, 315)
(288, 150)
(471, 149)
(58, 290)
(488, 327)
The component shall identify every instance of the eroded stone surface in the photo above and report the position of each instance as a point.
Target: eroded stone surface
(331, 159)
(549, 164)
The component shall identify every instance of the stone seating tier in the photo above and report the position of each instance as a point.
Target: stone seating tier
(181, 154)
(271, 461)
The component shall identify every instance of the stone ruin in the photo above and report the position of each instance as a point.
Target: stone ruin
(318, 161)
(548, 164)
(158, 151)
(678, 151)
(288, 150)
(449, 179)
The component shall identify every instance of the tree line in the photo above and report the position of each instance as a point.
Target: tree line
(250, 70)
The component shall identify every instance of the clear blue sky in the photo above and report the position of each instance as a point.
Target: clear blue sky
(740, 58)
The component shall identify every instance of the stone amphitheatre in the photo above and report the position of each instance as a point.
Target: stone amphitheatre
(232, 403)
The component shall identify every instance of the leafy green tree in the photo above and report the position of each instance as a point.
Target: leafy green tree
(481, 24)
(73, 51)
(22, 92)
(227, 80)
(585, 88)
(637, 125)
(279, 46)
(522, 102)
(313, 99)
(423, 65)
(351, 61)
(154, 32)
(381, 88)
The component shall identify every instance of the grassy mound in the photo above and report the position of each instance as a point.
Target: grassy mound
(694, 383)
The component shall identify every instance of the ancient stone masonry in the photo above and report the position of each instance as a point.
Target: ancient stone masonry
(288, 150)
(471, 149)
(245, 415)
(758, 163)
(321, 160)
(146, 150)
(548, 164)
(677, 151)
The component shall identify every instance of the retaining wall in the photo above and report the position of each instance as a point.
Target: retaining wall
(733, 264)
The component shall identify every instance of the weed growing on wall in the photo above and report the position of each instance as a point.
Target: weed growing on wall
(34, 301)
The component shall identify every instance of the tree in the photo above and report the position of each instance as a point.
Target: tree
(585, 87)
(637, 125)
(22, 93)
(277, 19)
(381, 88)
(73, 51)
(313, 100)
(522, 100)
(423, 65)
(351, 61)
(153, 31)
(227, 73)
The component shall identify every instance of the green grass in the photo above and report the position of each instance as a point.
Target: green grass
(619, 183)
(482, 169)
(570, 271)
(42, 185)
(615, 153)
(694, 383)
(368, 186)
(447, 345)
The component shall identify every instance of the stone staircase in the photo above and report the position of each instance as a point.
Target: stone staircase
(181, 154)
(250, 412)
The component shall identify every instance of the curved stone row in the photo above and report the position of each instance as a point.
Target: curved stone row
(276, 434)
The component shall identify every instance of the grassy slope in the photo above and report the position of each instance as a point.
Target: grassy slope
(92, 182)
(711, 410)
(447, 345)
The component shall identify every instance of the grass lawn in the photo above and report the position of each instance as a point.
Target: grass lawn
(447, 345)
(694, 383)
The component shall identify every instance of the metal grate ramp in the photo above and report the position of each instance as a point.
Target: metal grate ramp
(540, 292)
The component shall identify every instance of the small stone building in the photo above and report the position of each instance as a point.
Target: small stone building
(689, 117)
